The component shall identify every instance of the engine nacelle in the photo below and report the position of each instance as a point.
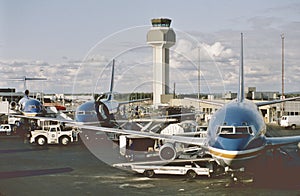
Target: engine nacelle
(13, 105)
(167, 152)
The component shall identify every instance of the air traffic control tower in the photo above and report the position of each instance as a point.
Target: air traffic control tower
(161, 37)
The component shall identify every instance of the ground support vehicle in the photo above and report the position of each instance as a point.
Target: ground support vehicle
(53, 134)
(6, 128)
(290, 121)
(189, 167)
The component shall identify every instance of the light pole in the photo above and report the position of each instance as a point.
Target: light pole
(282, 72)
(199, 72)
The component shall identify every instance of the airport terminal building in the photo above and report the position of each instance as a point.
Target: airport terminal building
(271, 113)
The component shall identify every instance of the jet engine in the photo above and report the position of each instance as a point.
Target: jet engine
(167, 152)
(13, 105)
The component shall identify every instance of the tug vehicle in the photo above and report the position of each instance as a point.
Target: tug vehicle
(53, 134)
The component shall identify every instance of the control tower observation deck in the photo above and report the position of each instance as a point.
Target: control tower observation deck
(161, 37)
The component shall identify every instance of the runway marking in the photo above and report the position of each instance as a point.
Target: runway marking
(28, 173)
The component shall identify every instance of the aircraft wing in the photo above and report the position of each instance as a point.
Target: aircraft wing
(174, 138)
(187, 140)
(280, 141)
(179, 115)
(275, 101)
(46, 119)
(133, 101)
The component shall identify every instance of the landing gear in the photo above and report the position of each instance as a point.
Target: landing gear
(238, 178)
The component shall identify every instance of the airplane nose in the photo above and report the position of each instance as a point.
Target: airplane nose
(86, 118)
(81, 118)
(233, 141)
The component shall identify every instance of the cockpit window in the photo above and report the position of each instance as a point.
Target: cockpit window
(242, 130)
(86, 112)
(80, 113)
(226, 130)
(235, 130)
(250, 130)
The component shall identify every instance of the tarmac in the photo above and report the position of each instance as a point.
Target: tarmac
(27, 169)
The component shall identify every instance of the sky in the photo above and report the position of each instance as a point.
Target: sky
(72, 44)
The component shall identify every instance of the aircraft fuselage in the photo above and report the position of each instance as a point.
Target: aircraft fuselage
(236, 133)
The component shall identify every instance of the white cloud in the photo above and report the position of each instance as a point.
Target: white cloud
(219, 60)
(218, 50)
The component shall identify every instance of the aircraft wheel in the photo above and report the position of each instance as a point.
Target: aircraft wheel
(64, 141)
(41, 141)
(191, 174)
(149, 173)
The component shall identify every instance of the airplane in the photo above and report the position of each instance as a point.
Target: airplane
(27, 106)
(86, 111)
(235, 134)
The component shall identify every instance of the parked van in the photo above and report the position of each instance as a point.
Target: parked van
(290, 121)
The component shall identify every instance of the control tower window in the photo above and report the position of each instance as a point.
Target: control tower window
(161, 22)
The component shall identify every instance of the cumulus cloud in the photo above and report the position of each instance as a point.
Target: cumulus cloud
(58, 75)
(218, 50)
(215, 60)
(216, 53)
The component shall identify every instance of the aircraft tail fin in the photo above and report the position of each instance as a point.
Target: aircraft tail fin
(241, 93)
(111, 81)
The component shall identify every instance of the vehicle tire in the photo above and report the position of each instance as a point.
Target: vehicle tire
(293, 127)
(8, 132)
(191, 174)
(149, 173)
(64, 141)
(41, 140)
